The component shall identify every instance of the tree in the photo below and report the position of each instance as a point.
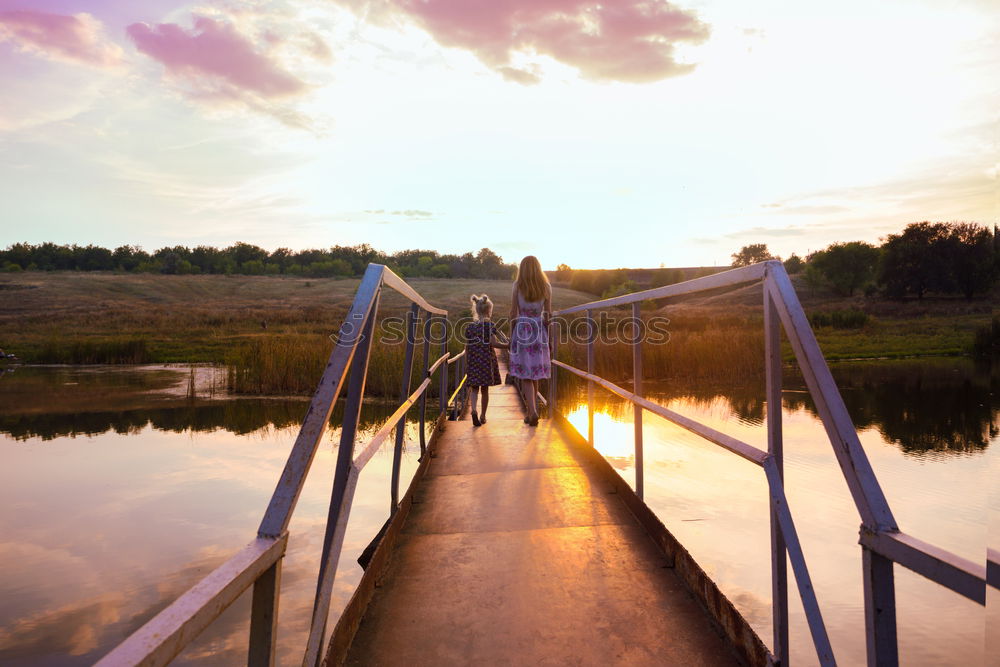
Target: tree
(751, 254)
(662, 276)
(128, 257)
(812, 277)
(847, 266)
(794, 264)
(971, 257)
(563, 273)
(241, 253)
(916, 260)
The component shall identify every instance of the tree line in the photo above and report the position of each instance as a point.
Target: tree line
(247, 259)
(925, 257)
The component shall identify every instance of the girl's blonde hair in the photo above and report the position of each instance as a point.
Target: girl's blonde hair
(481, 306)
(531, 281)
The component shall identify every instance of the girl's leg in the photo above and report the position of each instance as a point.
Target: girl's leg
(486, 403)
(474, 391)
(529, 391)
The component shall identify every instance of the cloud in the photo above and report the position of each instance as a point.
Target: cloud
(313, 45)
(806, 209)
(77, 39)
(214, 52)
(411, 213)
(610, 40)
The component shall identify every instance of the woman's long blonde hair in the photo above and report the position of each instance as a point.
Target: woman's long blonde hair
(531, 281)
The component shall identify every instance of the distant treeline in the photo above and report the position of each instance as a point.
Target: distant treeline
(247, 259)
(925, 258)
(613, 282)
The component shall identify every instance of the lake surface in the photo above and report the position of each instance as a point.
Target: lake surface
(118, 492)
(930, 430)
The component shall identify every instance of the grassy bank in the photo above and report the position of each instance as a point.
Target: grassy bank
(273, 332)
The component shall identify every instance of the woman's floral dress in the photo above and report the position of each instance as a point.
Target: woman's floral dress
(483, 369)
(529, 342)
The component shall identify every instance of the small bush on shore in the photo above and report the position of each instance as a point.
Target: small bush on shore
(839, 319)
(986, 342)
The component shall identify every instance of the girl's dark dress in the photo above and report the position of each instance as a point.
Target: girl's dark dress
(484, 371)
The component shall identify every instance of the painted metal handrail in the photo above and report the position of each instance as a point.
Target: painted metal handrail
(882, 543)
(259, 563)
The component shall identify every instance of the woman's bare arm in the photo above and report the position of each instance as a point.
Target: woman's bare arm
(514, 311)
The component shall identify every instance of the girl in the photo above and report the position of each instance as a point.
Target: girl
(480, 339)
(530, 309)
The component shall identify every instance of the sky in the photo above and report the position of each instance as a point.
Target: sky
(596, 133)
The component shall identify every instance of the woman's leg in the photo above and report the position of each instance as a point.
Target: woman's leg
(486, 402)
(529, 397)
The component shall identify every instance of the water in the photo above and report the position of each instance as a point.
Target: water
(930, 429)
(117, 493)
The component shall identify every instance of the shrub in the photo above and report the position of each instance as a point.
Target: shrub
(986, 343)
(839, 319)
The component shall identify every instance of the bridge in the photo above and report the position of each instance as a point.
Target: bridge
(523, 545)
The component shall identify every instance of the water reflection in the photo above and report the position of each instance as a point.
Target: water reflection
(118, 493)
(922, 406)
(926, 427)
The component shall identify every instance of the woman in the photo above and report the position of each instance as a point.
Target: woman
(530, 309)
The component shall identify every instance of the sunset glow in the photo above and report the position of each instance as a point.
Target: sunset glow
(599, 134)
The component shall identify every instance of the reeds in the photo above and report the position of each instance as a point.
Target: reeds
(719, 354)
(283, 365)
(103, 351)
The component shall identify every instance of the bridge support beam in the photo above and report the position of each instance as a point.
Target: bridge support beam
(591, 337)
(423, 397)
(397, 452)
(880, 609)
(264, 618)
(344, 482)
(637, 390)
(775, 447)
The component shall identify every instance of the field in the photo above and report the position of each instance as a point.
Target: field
(60, 317)
(274, 332)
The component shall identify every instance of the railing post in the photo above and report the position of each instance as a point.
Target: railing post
(458, 378)
(591, 336)
(397, 452)
(264, 618)
(775, 447)
(465, 388)
(423, 396)
(444, 369)
(880, 609)
(344, 482)
(553, 377)
(637, 390)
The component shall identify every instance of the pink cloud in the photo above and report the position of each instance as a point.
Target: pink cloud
(611, 40)
(76, 39)
(216, 58)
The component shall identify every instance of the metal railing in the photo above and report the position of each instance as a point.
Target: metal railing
(882, 543)
(259, 563)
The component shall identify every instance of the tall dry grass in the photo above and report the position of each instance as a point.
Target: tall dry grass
(278, 365)
(83, 351)
(731, 350)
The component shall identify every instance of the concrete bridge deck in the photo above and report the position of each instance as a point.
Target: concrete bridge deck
(516, 552)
